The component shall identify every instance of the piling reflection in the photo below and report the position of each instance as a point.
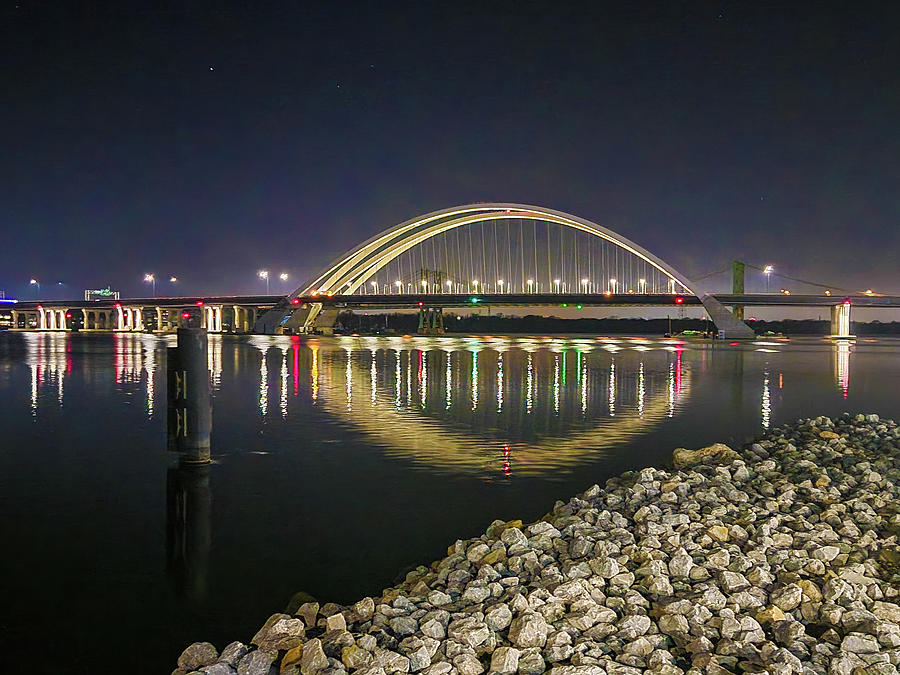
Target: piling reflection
(188, 528)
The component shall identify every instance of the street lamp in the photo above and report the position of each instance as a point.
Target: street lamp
(530, 285)
(151, 279)
(173, 280)
(500, 283)
(475, 284)
(35, 282)
(399, 285)
(283, 276)
(374, 288)
(556, 282)
(264, 274)
(424, 286)
(584, 283)
(449, 286)
(612, 285)
(768, 272)
(643, 285)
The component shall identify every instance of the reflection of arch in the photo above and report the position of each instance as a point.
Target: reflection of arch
(346, 274)
(430, 441)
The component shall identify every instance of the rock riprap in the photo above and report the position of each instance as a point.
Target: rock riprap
(779, 558)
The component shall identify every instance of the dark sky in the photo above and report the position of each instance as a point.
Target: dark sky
(208, 140)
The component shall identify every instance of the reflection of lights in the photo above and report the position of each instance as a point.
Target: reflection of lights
(150, 367)
(423, 378)
(612, 389)
(284, 383)
(349, 380)
(263, 385)
(35, 375)
(766, 407)
(678, 353)
(295, 348)
(670, 391)
(500, 382)
(397, 375)
(474, 380)
(842, 366)
(556, 383)
(373, 376)
(507, 471)
(448, 386)
(640, 391)
(584, 384)
(314, 372)
(529, 385)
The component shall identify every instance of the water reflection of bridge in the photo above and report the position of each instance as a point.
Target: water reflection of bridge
(451, 401)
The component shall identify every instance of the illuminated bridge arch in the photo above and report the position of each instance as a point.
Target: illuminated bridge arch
(350, 272)
(581, 257)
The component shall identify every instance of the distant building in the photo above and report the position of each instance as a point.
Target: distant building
(100, 294)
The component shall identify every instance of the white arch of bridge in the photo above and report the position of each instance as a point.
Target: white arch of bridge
(353, 269)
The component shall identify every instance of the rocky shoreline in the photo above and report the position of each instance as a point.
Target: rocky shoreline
(779, 558)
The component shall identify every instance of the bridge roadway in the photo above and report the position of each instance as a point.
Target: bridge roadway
(236, 313)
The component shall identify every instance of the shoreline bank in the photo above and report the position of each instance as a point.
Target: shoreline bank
(780, 557)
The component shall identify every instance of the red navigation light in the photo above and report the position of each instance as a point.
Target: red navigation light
(733, 344)
(40, 307)
(847, 301)
(68, 315)
(199, 303)
(118, 304)
(185, 315)
(421, 304)
(679, 300)
(295, 301)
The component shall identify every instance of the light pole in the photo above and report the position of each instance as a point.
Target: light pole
(500, 283)
(612, 285)
(475, 284)
(449, 286)
(424, 286)
(173, 280)
(643, 285)
(768, 272)
(264, 274)
(151, 279)
(374, 288)
(584, 283)
(556, 281)
(35, 282)
(530, 285)
(283, 276)
(399, 287)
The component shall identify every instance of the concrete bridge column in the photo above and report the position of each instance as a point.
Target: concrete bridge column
(42, 321)
(840, 320)
(159, 324)
(138, 318)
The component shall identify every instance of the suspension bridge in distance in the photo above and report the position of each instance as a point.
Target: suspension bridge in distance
(476, 255)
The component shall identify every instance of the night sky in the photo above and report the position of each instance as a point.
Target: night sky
(209, 140)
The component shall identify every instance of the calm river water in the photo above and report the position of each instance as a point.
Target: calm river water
(338, 464)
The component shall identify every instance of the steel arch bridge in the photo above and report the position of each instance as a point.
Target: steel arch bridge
(351, 272)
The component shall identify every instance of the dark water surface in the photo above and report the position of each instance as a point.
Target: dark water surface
(338, 463)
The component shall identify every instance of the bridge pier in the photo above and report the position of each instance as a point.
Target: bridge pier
(431, 321)
(840, 321)
(187, 394)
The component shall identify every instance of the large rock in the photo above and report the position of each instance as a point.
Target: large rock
(197, 655)
(505, 660)
(528, 630)
(257, 662)
(717, 453)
